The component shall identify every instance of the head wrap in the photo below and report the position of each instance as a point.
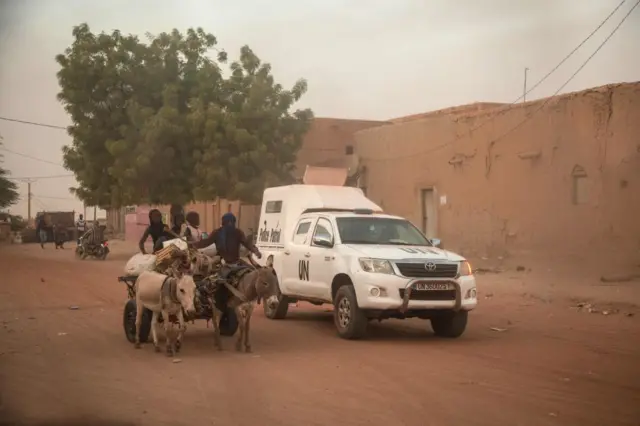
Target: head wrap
(228, 223)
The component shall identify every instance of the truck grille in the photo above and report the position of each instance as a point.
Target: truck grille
(440, 295)
(419, 270)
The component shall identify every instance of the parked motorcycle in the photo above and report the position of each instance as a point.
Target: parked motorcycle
(99, 251)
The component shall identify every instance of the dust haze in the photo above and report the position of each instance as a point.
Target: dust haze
(366, 59)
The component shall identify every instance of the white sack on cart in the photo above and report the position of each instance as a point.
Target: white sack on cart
(178, 242)
(139, 263)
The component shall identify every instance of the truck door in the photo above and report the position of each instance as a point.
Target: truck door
(321, 259)
(295, 276)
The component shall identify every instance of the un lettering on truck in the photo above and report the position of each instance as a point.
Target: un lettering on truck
(333, 245)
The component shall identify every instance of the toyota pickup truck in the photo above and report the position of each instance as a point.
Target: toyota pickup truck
(333, 245)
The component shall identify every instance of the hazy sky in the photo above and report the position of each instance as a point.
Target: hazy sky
(373, 59)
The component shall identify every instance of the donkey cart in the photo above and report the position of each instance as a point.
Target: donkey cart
(228, 322)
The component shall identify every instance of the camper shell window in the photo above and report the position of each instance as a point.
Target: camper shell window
(273, 207)
(303, 228)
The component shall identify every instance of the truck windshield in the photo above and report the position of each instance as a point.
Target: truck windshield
(384, 231)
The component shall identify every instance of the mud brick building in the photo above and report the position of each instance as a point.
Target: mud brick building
(556, 175)
(489, 178)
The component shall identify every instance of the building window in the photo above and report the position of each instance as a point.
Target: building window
(273, 207)
(579, 186)
(349, 150)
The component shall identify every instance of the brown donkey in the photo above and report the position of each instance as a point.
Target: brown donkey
(258, 283)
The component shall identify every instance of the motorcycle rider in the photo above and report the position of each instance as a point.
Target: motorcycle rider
(81, 225)
(92, 238)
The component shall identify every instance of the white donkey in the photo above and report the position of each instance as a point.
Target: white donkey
(168, 296)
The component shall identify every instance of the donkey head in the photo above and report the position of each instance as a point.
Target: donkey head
(267, 284)
(185, 293)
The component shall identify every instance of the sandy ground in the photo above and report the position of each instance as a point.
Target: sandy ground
(529, 357)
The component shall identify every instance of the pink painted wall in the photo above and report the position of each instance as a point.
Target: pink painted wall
(136, 223)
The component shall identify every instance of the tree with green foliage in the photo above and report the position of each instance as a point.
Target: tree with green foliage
(8, 190)
(17, 223)
(160, 123)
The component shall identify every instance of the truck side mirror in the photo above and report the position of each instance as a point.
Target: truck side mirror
(436, 242)
(321, 241)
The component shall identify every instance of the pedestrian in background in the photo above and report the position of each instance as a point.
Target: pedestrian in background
(42, 229)
(81, 225)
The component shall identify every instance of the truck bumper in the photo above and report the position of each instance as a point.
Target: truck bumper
(392, 292)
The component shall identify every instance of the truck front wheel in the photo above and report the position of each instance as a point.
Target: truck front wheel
(350, 320)
(450, 324)
(280, 312)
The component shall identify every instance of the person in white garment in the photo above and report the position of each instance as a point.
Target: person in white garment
(81, 225)
(192, 231)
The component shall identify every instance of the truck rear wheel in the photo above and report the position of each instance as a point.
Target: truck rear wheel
(450, 324)
(350, 320)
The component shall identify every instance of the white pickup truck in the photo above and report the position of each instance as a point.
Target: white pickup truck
(333, 245)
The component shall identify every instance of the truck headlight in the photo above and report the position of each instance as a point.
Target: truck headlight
(465, 269)
(379, 266)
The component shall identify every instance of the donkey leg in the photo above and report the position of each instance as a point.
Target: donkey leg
(167, 331)
(241, 327)
(215, 317)
(154, 331)
(247, 327)
(182, 328)
(139, 311)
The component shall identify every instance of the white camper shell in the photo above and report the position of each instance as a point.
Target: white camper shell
(333, 245)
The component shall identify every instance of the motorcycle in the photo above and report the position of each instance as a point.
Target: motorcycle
(99, 251)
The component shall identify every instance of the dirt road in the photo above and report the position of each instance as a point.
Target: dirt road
(525, 360)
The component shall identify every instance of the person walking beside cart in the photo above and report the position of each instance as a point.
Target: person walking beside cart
(179, 224)
(158, 231)
(192, 230)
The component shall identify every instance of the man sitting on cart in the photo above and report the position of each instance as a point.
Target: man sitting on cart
(228, 240)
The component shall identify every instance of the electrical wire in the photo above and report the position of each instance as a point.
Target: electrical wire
(554, 69)
(37, 200)
(544, 78)
(38, 177)
(29, 156)
(546, 101)
(584, 64)
(46, 197)
(33, 123)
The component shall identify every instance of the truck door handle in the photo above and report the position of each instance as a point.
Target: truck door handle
(307, 255)
(287, 252)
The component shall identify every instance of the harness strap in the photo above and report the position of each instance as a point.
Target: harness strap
(235, 292)
(170, 289)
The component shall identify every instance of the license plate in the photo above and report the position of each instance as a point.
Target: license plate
(432, 286)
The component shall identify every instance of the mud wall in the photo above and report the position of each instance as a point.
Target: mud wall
(566, 180)
(327, 143)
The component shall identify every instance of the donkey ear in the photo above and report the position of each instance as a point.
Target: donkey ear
(269, 262)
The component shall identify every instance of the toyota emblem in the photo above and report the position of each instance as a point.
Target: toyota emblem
(430, 266)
